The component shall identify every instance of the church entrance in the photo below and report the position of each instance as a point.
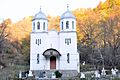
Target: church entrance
(53, 56)
(52, 62)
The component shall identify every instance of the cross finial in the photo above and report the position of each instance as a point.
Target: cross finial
(67, 7)
(40, 8)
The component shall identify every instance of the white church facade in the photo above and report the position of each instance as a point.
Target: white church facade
(53, 50)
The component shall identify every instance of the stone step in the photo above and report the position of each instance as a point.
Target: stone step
(69, 73)
(50, 73)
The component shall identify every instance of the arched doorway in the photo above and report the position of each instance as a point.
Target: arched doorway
(52, 62)
(53, 56)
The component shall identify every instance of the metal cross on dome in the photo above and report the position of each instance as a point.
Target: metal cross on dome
(40, 8)
(68, 7)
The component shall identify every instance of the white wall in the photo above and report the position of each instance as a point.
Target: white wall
(53, 39)
(38, 49)
(48, 40)
(71, 49)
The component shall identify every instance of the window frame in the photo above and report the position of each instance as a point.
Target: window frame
(33, 25)
(62, 25)
(67, 41)
(38, 41)
(68, 57)
(43, 25)
(73, 25)
(38, 60)
(38, 25)
(67, 24)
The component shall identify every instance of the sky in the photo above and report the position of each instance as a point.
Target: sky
(18, 9)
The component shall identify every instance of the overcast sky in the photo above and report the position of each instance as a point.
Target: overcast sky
(18, 9)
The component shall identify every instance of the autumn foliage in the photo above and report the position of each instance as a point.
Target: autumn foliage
(98, 33)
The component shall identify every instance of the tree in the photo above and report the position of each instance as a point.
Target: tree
(3, 34)
(109, 27)
(88, 27)
(25, 49)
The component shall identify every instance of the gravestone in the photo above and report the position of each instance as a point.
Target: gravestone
(116, 70)
(30, 74)
(82, 75)
(113, 72)
(97, 74)
(20, 74)
(103, 72)
(53, 75)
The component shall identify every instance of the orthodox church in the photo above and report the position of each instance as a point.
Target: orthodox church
(53, 50)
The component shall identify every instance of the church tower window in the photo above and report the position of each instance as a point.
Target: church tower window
(62, 25)
(72, 24)
(68, 41)
(67, 24)
(38, 25)
(68, 57)
(33, 26)
(38, 59)
(44, 26)
(38, 41)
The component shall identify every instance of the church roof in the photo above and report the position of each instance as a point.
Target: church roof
(40, 15)
(67, 14)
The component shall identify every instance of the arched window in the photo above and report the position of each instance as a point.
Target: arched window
(72, 24)
(44, 26)
(38, 25)
(67, 41)
(67, 24)
(38, 41)
(68, 57)
(38, 59)
(34, 26)
(62, 25)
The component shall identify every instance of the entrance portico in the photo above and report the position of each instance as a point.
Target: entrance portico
(53, 56)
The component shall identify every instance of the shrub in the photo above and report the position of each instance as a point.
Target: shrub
(83, 79)
(58, 74)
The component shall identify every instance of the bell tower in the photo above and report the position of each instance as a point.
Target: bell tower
(68, 41)
(40, 22)
(67, 21)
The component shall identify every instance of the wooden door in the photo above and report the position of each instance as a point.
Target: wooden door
(52, 62)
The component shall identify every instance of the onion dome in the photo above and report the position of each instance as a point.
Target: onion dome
(67, 14)
(40, 15)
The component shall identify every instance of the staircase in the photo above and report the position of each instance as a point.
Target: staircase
(69, 73)
(50, 73)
